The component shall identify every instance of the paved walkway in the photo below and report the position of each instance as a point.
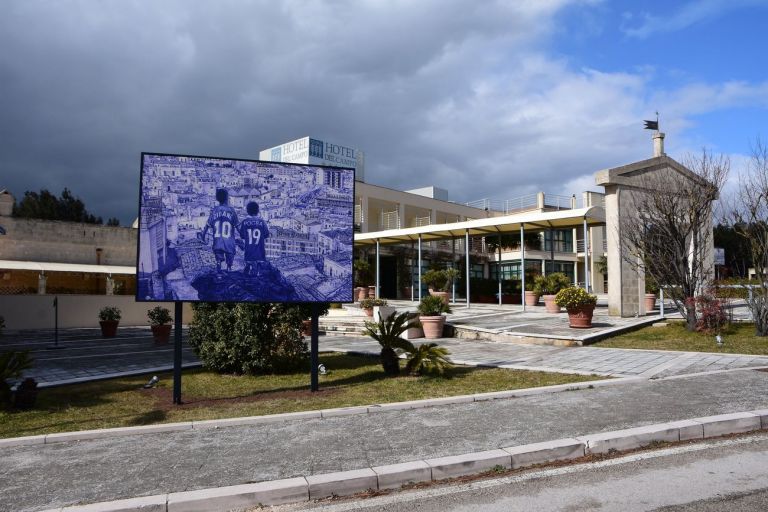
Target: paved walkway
(83, 355)
(43, 476)
(86, 356)
(613, 362)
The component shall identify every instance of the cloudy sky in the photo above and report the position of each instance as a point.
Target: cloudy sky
(486, 98)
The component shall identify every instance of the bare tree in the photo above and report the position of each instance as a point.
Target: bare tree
(670, 238)
(750, 218)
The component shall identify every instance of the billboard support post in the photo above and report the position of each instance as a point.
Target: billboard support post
(177, 353)
(314, 359)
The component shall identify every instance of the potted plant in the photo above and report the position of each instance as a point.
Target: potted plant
(580, 306)
(548, 286)
(109, 318)
(431, 309)
(362, 273)
(651, 289)
(368, 304)
(439, 281)
(531, 296)
(388, 332)
(160, 322)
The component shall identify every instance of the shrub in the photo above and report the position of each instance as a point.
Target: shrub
(440, 279)
(159, 316)
(551, 284)
(306, 309)
(369, 303)
(12, 365)
(572, 297)
(432, 305)
(248, 338)
(110, 314)
(712, 314)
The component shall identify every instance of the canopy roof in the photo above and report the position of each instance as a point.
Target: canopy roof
(594, 215)
(47, 266)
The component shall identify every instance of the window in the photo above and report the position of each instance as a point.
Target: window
(511, 269)
(564, 267)
(561, 238)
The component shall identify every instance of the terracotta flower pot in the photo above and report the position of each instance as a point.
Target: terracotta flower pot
(368, 311)
(531, 298)
(549, 302)
(650, 302)
(433, 326)
(442, 295)
(108, 328)
(361, 292)
(161, 333)
(581, 317)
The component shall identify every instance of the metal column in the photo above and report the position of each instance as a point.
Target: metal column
(522, 263)
(377, 268)
(498, 268)
(178, 308)
(466, 252)
(586, 256)
(418, 263)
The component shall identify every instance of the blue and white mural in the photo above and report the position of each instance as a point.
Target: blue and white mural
(215, 230)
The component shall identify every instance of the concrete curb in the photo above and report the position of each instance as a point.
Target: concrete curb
(303, 415)
(343, 483)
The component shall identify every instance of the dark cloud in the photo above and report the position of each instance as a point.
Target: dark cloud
(458, 94)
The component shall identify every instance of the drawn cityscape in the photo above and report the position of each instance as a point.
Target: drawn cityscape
(308, 211)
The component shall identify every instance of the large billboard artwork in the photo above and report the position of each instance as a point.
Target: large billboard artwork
(229, 230)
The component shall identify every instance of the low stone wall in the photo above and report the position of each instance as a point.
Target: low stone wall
(37, 312)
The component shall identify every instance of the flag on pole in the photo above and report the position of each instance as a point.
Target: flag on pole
(651, 125)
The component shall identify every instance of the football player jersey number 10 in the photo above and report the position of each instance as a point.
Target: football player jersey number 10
(222, 229)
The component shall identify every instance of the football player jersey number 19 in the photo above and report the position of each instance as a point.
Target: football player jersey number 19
(254, 235)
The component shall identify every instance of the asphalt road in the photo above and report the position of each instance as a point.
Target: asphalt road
(718, 475)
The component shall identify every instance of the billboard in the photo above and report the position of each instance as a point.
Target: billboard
(231, 230)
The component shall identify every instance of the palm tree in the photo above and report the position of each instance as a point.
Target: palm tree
(426, 358)
(388, 332)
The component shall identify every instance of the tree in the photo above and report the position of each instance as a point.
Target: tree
(751, 223)
(44, 205)
(113, 221)
(670, 238)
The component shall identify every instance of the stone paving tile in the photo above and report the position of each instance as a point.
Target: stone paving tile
(582, 359)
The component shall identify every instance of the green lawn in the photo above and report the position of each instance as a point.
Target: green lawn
(352, 380)
(738, 339)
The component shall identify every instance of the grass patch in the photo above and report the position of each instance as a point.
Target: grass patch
(352, 380)
(739, 338)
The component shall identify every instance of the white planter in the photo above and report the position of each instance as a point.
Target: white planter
(382, 312)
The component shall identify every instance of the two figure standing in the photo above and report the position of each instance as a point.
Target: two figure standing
(253, 232)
